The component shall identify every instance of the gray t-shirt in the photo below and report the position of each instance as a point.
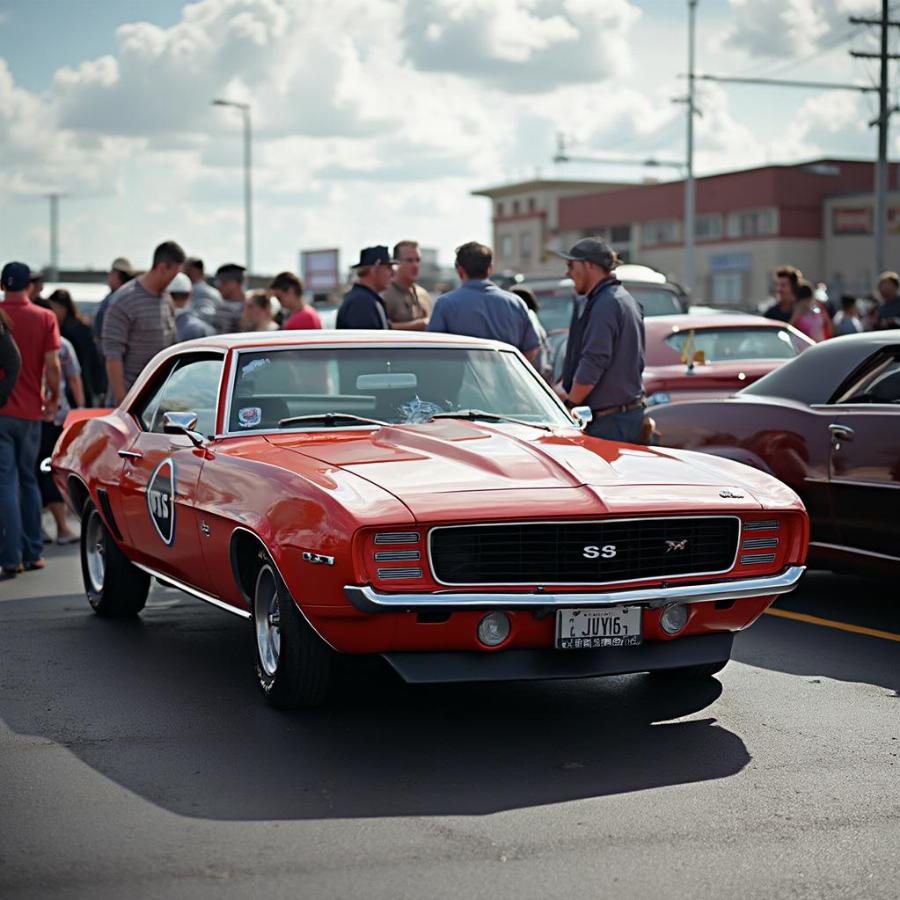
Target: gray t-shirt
(479, 308)
(205, 300)
(137, 325)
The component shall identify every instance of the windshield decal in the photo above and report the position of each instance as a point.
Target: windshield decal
(249, 416)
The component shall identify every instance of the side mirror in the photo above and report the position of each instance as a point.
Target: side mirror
(183, 423)
(583, 416)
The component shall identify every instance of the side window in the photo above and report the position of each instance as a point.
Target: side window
(879, 384)
(193, 386)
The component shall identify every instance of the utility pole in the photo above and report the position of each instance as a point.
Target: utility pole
(690, 193)
(883, 123)
(53, 268)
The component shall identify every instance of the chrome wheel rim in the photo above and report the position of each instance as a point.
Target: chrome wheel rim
(95, 552)
(266, 617)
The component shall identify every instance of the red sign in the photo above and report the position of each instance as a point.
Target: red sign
(851, 220)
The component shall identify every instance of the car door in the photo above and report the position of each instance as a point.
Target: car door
(864, 458)
(161, 471)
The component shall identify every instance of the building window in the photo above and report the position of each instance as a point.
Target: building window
(620, 234)
(515, 207)
(525, 245)
(499, 209)
(708, 227)
(507, 246)
(531, 204)
(752, 223)
(727, 288)
(662, 231)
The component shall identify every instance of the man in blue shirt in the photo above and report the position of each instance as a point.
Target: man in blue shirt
(362, 306)
(478, 308)
(605, 349)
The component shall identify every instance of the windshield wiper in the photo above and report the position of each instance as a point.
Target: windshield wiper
(474, 414)
(331, 419)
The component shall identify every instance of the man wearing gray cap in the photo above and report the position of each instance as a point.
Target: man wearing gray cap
(605, 350)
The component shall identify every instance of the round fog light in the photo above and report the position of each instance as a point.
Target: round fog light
(493, 629)
(674, 618)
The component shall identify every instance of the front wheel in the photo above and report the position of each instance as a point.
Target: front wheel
(293, 665)
(115, 587)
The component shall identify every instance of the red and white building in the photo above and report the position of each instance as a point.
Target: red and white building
(816, 216)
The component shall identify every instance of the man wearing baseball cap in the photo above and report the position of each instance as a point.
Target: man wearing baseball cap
(363, 306)
(34, 398)
(605, 351)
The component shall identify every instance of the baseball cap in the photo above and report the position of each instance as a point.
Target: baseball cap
(180, 284)
(122, 264)
(594, 250)
(15, 276)
(231, 271)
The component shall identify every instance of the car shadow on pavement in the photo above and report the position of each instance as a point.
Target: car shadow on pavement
(802, 648)
(167, 706)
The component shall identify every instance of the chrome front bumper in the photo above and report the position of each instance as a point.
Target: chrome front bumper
(367, 599)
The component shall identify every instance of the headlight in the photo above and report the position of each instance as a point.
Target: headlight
(657, 398)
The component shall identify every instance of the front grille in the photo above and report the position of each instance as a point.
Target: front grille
(583, 552)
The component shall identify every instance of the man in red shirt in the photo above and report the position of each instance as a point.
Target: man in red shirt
(288, 289)
(34, 398)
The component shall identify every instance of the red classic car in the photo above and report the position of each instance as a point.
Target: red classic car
(828, 425)
(424, 497)
(713, 355)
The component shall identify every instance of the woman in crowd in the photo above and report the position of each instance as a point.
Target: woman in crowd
(10, 360)
(50, 432)
(73, 327)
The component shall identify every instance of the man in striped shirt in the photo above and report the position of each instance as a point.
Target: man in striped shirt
(140, 320)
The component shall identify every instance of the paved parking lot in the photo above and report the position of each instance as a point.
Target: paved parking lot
(136, 759)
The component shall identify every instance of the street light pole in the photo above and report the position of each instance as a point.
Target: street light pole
(53, 268)
(690, 193)
(248, 178)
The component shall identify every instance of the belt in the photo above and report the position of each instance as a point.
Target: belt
(624, 407)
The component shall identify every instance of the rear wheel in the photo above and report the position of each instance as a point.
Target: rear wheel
(114, 585)
(294, 666)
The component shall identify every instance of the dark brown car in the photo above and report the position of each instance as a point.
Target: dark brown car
(828, 424)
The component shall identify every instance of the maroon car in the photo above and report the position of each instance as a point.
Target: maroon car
(827, 424)
(713, 354)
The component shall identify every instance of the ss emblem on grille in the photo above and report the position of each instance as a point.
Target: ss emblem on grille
(676, 545)
(592, 551)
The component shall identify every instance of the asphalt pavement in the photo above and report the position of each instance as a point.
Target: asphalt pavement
(137, 760)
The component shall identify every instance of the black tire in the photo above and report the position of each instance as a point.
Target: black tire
(298, 674)
(115, 587)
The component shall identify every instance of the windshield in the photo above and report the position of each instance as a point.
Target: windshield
(723, 345)
(397, 385)
(655, 301)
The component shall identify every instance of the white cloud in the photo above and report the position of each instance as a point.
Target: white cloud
(522, 46)
(785, 28)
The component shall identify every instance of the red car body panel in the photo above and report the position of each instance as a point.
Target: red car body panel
(329, 493)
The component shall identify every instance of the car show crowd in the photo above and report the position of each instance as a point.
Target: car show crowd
(53, 360)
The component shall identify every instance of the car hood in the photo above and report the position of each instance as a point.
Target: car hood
(454, 468)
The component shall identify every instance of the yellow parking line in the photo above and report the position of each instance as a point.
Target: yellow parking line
(829, 623)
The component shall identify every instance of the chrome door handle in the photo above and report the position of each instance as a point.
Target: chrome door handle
(840, 432)
(130, 454)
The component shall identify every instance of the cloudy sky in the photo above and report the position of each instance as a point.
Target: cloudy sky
(374, 119)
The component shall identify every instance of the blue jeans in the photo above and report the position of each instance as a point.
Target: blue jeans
(20, 499)
(624, 426)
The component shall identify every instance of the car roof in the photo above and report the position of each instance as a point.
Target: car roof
(816, 374)
(252, 340)
(674, 323)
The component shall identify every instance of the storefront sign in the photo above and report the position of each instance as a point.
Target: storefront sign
(321, 272)
(731, 262)
(851, 220)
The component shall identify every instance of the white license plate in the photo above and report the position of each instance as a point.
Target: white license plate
(581, 629)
